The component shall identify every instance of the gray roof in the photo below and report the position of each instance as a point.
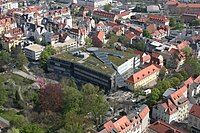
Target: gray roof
(168, 92)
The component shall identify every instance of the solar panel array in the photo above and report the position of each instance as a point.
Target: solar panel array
(103, 57)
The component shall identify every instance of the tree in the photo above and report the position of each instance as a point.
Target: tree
(179, 76)
(174, 82)
(137, 93)
(196, 22)
(187, 51)
(163, 85)
(21, 60)
(147, 34)
(107, 7)
(184, 74)
(172, 22)
(140, 46)
(72, 100)
(5, 57)
(3, 94)
(31, 128)
(13, 130)
(45, 55)
(51, 98)
(123, 40)
(88, 41)
(94, 102)
(112, 39)
(192, 66)
(74, 123)
(153, 97)
(36, 41)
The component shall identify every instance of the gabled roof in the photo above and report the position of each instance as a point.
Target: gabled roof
(178, 95)
(183, 44)
(197, 80)
(130, 35)
(171, 2)
(138, 76)
(189, 81)
(163, 127)
(104, 14)
(158, 18)
(195, 111)
(100, 35)
(125, 13)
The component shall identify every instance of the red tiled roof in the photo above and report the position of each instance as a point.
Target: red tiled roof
(183, 44)
(163, 127)
(171, 2)
(193, 5)
(143, 74)
(144, 112)
(130, 35)
(158, 18)
(143, 19)
(189, 81)
(192, 12)
(178, 95)
(100, 25)
(100, 35)
(195, 110)
(123, 14)
(197, 80)
(112, 23)
(182, 5)
(104, 14)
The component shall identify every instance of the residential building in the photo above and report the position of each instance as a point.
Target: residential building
(188, 16)
(33, 51)
(194, 119)
(158, 19)
(8, 41)
(106, 15)
(174, 108)
(163, 127)
(67, 45)
(146, 77)
(135, 122)
(130, 36)
(193, 85)
(99, 39)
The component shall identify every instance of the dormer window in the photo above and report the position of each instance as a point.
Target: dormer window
(143, 75)
(153, 69)
(138, 78)
(148, 72)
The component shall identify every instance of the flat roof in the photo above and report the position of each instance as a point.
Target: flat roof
(35, 47)
(94, 63)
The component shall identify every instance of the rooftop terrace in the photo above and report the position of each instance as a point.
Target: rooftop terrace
(88, 59)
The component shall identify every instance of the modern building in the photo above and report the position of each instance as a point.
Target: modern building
(175, 108)
(194, 119)
(33, 51)
(163, 127)
(94, 3)
(103, 67)
(136, 122)
(146, 77)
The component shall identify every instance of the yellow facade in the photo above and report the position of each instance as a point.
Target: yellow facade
(144, 82)
(8, 45)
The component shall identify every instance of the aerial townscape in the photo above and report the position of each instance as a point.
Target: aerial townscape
(100, 66)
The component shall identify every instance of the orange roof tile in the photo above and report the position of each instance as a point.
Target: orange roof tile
(195, 111)
(123, 14)
(143, 74)
(189, 81)
(130, 35)
(144, 112)
(183, 44)
(100, 35)
(182, 5)
(163, 127)
(178, 95)
(197, 80)
(171, 2)
(158, 18)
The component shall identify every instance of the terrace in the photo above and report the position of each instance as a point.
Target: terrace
(92, 62)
